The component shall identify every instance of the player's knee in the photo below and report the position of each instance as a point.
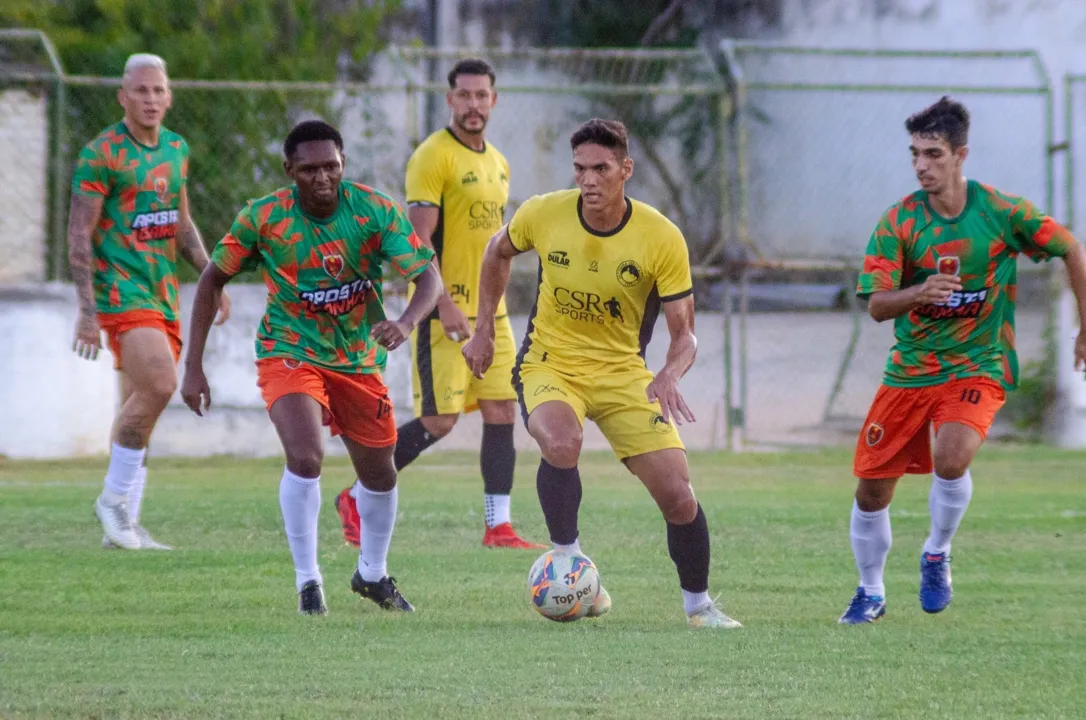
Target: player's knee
(874, 495)
(680, 507)
(561, 448)
(305, 462)
(953, 466)
(160, 387)
(440, 425)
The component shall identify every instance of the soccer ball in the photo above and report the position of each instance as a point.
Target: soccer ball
(562, 587)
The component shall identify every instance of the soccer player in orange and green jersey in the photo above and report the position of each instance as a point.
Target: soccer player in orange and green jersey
(942, 263)
(128, 223)
(321, 246)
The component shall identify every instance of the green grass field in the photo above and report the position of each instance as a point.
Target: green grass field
(210, 630)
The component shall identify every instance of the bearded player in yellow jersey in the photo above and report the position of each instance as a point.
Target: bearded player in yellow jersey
(607, 264)
(457, 187)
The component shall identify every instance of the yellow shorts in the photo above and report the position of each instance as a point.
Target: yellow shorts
(614, 400)
(442, 382)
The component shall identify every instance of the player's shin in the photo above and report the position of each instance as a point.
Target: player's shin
(377, 511)
(871, 541)
(300, 501)
(497, 460)
(124, 466)
(688, 546)
(559, 491)
(948, 502)
(411, 439)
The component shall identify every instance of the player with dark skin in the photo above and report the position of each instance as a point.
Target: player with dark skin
(317, 170)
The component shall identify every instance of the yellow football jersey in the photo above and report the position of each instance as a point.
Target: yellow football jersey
(470, 188)
(599, 293)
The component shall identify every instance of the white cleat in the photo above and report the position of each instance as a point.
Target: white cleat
(146, 541)
(601, 605)
(710, 616)
(116, 524)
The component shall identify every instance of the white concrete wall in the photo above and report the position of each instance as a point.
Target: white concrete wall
(24, 159)
(54, 403)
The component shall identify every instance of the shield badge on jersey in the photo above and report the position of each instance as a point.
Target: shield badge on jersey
(874, 434)
(162, 189)
(333, 265)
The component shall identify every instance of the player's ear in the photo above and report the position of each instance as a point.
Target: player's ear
(120, 96)
(963, 153)
(627, 167)
(493, 98)
(288, 168)
(448, 98)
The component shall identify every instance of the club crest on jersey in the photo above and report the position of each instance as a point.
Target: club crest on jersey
(162, 189)
(659, 424)
(333, 265)
(629, 273)
(873, 435)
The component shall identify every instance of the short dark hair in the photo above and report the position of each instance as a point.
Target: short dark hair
(947, 119)
(608, 133)
(309, 131)
(471, 66)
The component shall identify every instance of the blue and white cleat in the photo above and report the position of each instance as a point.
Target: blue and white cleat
(863, 609)
(935, 592)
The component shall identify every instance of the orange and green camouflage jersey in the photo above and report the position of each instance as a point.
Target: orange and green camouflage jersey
(316, 272)
(972, 334)
(135, 246)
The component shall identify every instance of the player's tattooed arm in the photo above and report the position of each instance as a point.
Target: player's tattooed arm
(83, 216)
(681, 352)
(493, 280)
(194, 252)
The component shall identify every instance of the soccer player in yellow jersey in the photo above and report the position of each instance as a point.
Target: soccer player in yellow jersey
(457, 187)
(607, 264)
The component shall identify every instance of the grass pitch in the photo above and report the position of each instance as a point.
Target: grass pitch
(210, 629)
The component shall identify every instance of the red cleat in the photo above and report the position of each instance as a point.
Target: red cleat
(504, 536)
(348, 516)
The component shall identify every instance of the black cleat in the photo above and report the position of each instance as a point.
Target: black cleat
(311, 599)
(383, 592)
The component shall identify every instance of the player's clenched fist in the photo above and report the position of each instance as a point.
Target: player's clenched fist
(938, 289)
(479, 351)
(390, 334)
(195, 391)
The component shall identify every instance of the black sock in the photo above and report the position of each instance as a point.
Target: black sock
(688, 546)
(560, 497)
(412, 438)
(498, 459)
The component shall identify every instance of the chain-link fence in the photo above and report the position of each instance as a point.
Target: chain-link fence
(822, 153)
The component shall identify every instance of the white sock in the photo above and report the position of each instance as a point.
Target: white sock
(497, 509)
(947, 501)
(300, 501)
(871, 540)
(124, 463)
(354, 489)
(135, 494)
(378, 513)
(694, 600)
(573, 548)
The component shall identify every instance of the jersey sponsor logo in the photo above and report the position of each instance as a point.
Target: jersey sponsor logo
(333, 265)
(338, 300)
(629, 273)
(485, 215)
(961, 304)
(587, 306)
(558, 258)
(158, 225)
(874, 434)
(544, 388)
(469, 178)
(659, 424)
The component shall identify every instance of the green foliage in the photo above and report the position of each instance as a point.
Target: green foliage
(234, 135)
(1027, 406)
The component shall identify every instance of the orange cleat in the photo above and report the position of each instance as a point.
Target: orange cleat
(348, 516)
(504, 536)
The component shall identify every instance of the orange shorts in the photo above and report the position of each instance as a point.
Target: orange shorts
(896, 436)
(356, 404)
(117, 324)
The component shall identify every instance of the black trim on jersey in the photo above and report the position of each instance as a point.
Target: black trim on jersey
(677, 296)
(424, 363)
(614, 231)
(156, 146)
(525, 346)
(422, 203)
(464, 144)
(437, 239)
(653, 303)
